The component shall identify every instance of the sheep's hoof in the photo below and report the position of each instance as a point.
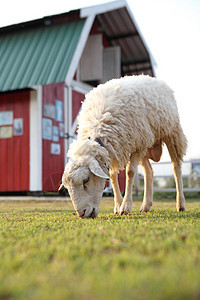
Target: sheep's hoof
(180, 204)
(126, 209)
(145, 208)
(180, 209)
(117, 210)
(125, 212)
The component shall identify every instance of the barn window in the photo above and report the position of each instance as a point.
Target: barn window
(98, 64)
(91, 67)
(111, 63)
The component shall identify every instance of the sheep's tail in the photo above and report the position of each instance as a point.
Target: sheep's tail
(177, 144)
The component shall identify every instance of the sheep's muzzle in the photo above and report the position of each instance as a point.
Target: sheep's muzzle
(82, 215)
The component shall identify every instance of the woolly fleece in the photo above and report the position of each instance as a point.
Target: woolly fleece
(130, 115)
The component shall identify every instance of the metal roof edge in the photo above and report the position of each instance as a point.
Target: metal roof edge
(152, 60)
(84, 13)
(102, 8)
(45, 20)
(79, 48)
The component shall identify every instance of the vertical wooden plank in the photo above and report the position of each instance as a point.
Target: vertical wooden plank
(3, 148)
(6, 149)
(21, 110)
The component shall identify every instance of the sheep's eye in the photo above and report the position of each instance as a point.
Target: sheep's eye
(84, 183)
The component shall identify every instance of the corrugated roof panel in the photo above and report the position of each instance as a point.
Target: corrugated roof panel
(118, 22)
(39, 55)
(122, 31)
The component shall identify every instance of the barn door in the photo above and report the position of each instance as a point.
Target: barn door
(53, 119)
(14, 141)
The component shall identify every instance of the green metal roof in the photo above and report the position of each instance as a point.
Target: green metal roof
(38, 55)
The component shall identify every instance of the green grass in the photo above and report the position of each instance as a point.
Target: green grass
(47, 252)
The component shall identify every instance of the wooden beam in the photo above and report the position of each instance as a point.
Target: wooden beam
(137, 70)
(123, 36)
(136, 62)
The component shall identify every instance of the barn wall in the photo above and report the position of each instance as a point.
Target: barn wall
(53, 112)
(76, 96)
(14, 141)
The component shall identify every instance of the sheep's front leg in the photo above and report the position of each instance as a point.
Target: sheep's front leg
(148, 185)
(117, 194)
(131, 168)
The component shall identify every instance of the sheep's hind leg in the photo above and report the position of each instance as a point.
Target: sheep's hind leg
(148, 185)
(117, 194)
(176, 157)
(131, 168)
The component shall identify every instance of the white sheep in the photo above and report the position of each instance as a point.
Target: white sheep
(123, 122)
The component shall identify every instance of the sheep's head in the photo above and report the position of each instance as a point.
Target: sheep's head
(84, 178)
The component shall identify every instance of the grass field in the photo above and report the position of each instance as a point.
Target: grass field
(47, 252)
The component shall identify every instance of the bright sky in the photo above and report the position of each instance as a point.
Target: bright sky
(171, 29)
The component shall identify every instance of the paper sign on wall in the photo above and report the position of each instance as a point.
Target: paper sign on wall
(6, 118)
(47, 129)
(49, 110)
(62, 130)
(55, 149)
(59, 110)
(6, 132)
(18, 126)
(55, 134)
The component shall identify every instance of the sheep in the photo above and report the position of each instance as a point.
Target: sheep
(123, 122)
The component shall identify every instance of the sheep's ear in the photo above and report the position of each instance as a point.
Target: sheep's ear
(97, 170)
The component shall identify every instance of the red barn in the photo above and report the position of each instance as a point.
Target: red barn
(47, 66)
